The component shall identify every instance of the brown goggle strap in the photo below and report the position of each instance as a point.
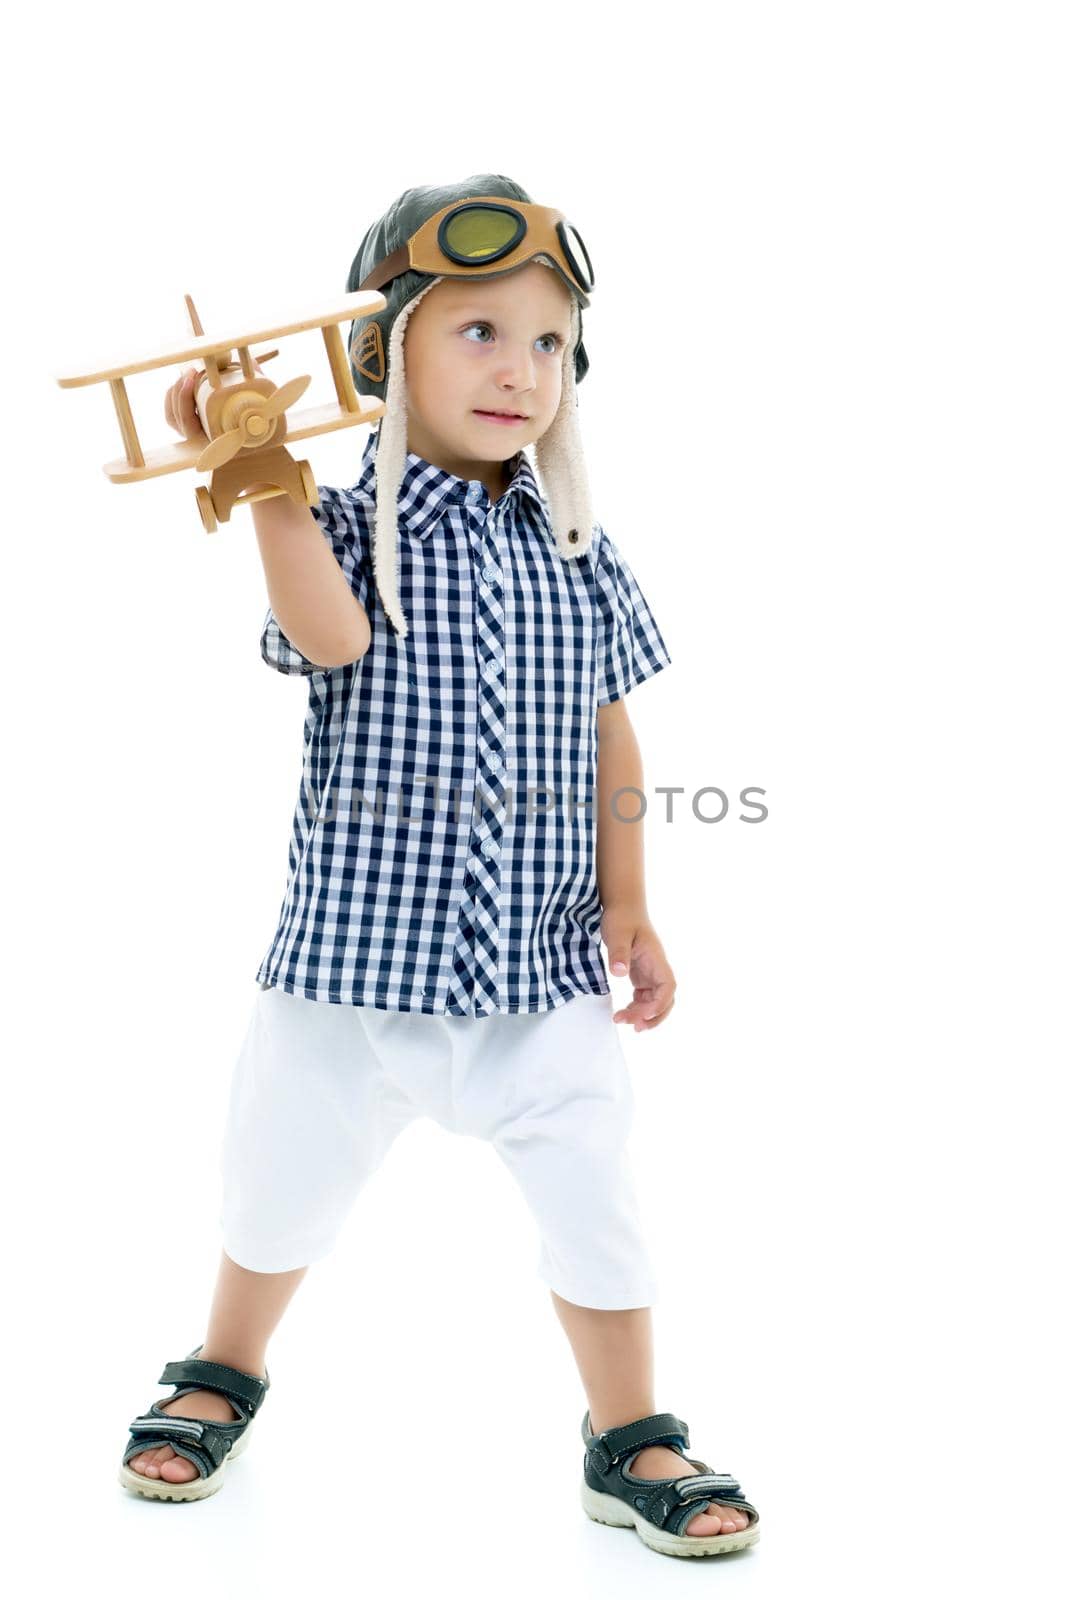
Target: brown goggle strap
(399, 260)
(396, 262)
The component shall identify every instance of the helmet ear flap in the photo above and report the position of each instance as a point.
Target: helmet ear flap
(561, 461)
(390, 458)
(367, 352)
(369, 337)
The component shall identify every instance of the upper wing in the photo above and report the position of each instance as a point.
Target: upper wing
(346, 307)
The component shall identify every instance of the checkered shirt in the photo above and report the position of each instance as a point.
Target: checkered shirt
(443, 848)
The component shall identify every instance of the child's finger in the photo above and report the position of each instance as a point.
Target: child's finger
(172, 403)
(193, 427)
(635, 1012)
(654, 1022)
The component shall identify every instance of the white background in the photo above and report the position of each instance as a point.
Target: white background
(824, 421)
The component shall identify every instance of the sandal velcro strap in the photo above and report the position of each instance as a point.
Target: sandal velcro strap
(244, 1387)
(203, 1443)
(706, 1486)
(662, 1428)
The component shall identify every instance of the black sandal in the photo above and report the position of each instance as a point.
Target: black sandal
(208, 1445)
(659, 1508)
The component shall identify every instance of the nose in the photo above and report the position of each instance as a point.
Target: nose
(516, 369)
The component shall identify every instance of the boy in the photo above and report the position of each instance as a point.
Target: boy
(468, 641)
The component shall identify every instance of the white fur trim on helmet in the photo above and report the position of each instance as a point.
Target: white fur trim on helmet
(560, 463)
(389, 459)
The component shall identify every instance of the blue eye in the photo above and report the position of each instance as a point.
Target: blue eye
(557, 338)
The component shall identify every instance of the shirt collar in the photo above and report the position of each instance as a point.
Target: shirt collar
(426, 491)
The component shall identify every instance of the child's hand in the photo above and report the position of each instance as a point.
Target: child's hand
(634, 947)
(180, 409)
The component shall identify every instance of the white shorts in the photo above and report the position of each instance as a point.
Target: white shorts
(320, 1091)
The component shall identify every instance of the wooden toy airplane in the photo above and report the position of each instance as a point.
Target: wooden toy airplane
(242, 413)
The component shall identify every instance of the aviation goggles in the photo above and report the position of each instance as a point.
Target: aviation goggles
(475, 235)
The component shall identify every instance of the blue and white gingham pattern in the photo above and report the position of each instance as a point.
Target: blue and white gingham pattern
(443, 851)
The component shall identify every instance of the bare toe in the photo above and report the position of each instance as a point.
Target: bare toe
(163, 1463)
(719, 1518)
(703, 1525)
(146, 1463)
(731, 1514)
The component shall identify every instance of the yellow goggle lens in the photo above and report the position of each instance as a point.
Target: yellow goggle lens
(474, 234)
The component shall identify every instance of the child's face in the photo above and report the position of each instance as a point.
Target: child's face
(490, 344)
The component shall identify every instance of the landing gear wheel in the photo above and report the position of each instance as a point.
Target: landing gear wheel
(311, 488)
(207, 509)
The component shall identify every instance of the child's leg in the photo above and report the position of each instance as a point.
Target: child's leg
(309, 1120)
(613, 1351)
(246, 1309)
(563, 1137)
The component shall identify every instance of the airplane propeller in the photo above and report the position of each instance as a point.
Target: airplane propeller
(253, 425)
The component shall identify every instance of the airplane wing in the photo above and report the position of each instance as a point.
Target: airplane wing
(300, 425)
(347, 307)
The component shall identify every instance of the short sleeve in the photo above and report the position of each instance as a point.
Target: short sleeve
(630, 647)
(340, 526)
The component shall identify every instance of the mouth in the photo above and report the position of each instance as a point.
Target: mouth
(503, 416)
